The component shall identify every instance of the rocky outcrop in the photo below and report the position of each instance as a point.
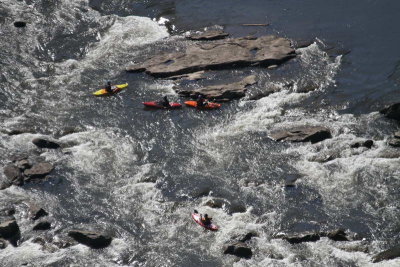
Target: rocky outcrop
(239, 249)
(39, 170)
(208, 35)
(43, 225)
(13, 175)
(91, 239)
(222, 92)
(9, 229)
(389, 254)
(313, 134)
(222, 54)
(392, 111)
(45, 143)
(335, 235)
(189, 76)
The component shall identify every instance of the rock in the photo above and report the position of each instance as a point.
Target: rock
(392, 112)
(62, 244)
(300, 238)
(45, 143)
(245, 237)
(17, 131)
(336, 235)
(216, 203)
(222, 54)
(313, 134)
(23, 164)
(19, 24)
(395, 142)
(208, 35)
(397, 134)
(7, 211)
(239, 249)
(39, 170)
(224, 91)
(190, 76)
(91, 239)
(13, 174)
(389, 254)
(35, 212)
(43, 225)
(368, 144)
(3, 243)
(9, 229)
(302, 43)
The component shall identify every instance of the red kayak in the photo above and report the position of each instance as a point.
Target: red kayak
(156, 104)
(197, 218)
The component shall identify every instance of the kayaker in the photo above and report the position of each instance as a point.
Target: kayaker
(206, 220)
(165, 102)
(201, 101)
(108, 87)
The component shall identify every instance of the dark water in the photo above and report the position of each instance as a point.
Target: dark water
(137, 174)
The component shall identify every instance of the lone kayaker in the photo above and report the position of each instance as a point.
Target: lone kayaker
(165, 102)
(201, 101)
(108, 87)
(206, 220)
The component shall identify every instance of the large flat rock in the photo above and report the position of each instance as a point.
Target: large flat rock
(221, 54)
(223, 91)
(313, 134)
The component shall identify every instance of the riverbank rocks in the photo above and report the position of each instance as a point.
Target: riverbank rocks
(208, 35)
(91, 239)
(9, 229)
(222, 54)
(239, 249)
(222, 92)
(313, 134)
(389, 254)
(45, 143)
(392, 111)
(39, 170)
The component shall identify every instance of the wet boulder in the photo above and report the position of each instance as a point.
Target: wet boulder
(3, 243)
(9, 229)
(239, 249)
(223, 91)
(45, 143)
(389, 254)
(91, 239)
(313, 134)
(299, 238)
(368, 144)
(36, 212)
(39, 170)
(43, 225)
(394, 142)
(13, 174)
(208, 35)
(336, 235)
(19, 24)
(392, 111)
(221, 54)
(244, 237)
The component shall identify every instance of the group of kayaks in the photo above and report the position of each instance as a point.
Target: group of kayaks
(158, 104)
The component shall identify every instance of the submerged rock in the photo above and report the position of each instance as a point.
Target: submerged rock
(208, 35)
(299, 238)
(313, 134)
(35, 212)
(389, 254)
(392, 111)
(336, 235)
(91, 239)
(9, 229)
(45, 143)
(43, 225)
(223, 54)
(13, 174)
(19, 24)
(224, 91)
(368, 144)
(239, 249)
(39, 170)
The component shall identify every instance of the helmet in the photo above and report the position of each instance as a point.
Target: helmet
(108, 82)
(205, 215)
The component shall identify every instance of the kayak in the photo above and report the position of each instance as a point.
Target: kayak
(115, 88)
(209, 105)
(157, 104)
(196, 217)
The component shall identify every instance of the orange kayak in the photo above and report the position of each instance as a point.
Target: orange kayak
(209, 105)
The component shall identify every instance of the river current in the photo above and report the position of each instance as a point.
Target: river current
(138, 174)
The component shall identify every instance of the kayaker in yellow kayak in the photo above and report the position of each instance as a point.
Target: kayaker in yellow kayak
(108, 87)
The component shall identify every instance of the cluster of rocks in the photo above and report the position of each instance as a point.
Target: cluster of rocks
(335, 235)
(239, 246)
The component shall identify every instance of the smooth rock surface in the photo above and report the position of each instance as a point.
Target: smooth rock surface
(45, 143)
(223, 91)
(39, 170)
(239, 249)
(389, 254)
(222, 54)
(208, 35)
(313, 134)
(91, 239)
(392, 111)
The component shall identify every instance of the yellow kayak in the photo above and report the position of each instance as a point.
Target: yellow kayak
(115, 88)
